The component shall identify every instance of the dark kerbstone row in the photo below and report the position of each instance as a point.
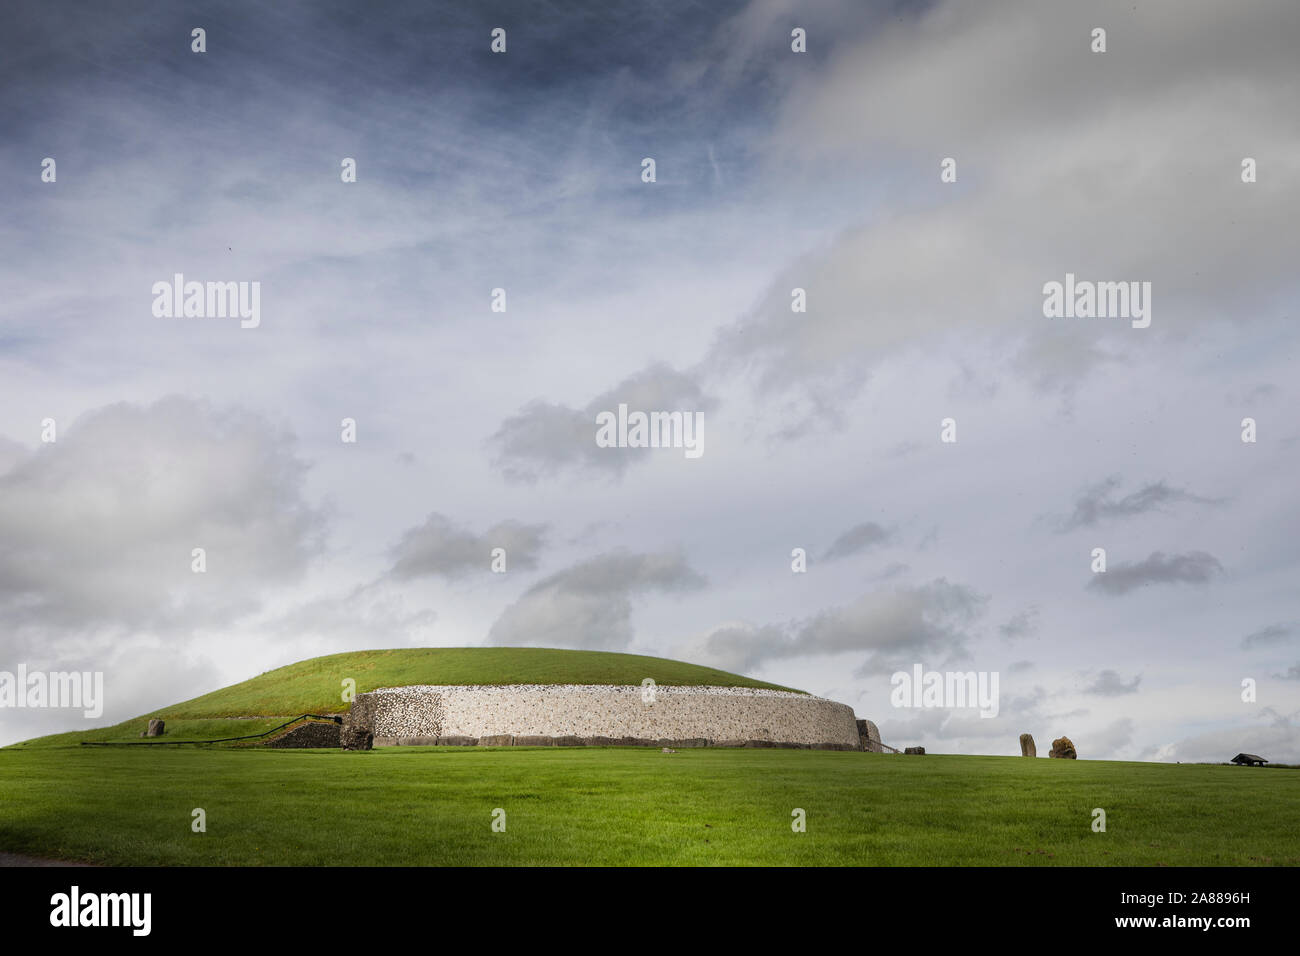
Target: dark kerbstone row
(497, 740)
(568, 740)
(356, 738)
(317, 734)
(534, 741)
(457, 741)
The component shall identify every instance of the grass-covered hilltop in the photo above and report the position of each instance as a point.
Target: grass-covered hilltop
(315, 686)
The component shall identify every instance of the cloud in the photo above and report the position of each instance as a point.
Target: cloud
(857, 539)
(1194, 567)
(889, 572)
(1098, 503)
(1109, 684)
(544, 438)
(970, 258)
(1278, 741)
(893, 628)
(589, 605)
(97, 529)
(1270, 635)
(368, 616)
(438, 548)
(1021, 625)
(1107, 742)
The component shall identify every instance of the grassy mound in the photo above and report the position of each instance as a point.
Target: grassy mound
(315, 686)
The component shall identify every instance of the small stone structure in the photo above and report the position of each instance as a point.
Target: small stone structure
(356, 737)
(1027, 748)
(1063, 747)
(155, 728)
(869, 737)
(566, 715)
(313, 733)
(914, 750)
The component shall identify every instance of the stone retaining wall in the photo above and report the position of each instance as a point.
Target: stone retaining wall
(600, 715)
(313, 733)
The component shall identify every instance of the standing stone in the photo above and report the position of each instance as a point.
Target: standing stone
(1027, 748)
(1063, 747)
(869, 737)
(156, 727)
(914, 750)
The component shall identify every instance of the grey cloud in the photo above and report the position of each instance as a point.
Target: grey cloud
(440, 548)
(858, 538)
(97, 529)
(589, 605)
(887, 285)
(893, 570)
(1264, 391)
(1021, 624)
(11, 452)
(367, 616)
(1109, 684)
(1194, 567)
(1107, 742)
(893, 628)
(1098, 503)
(544, 438)
(1270, 635)
(1278, 741)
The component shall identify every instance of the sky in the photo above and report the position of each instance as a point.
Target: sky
(775, 170)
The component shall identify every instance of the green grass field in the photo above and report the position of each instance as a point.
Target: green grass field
(606, 806)
(315, 686)
(401, 806)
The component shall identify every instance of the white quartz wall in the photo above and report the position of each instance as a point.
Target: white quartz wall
(593, 710)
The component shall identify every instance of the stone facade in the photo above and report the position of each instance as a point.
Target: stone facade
(869, 737)
(312, 733)
(600, 715)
